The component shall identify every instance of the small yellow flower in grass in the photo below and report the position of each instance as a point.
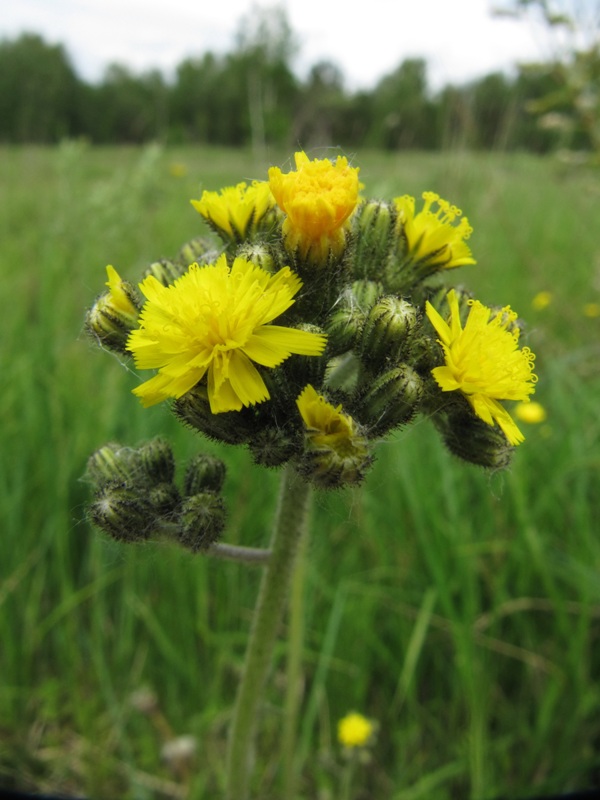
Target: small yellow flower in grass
(591, 310)
(541, 300)
(484, 361)
(355, 731)
(317, 199)
(431, 235)
(177, 169)
(236, 210)
(532, 413)
(214, 321)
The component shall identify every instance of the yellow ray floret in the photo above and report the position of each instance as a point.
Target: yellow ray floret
(235, 209)
(317, 199)
(118, 298)
(215, 321)
(432, 235)
(484, 361)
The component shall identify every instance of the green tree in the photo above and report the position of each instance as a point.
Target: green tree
(38, 91)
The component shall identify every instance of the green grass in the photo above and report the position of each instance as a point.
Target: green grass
(459, 610)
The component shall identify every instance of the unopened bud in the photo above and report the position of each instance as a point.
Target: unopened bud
(473, 440)
(202, 520)
(165, 271)
(344, 327)
(367, 293)
(157, 460)
(376, 233)
(388, 331)
(197, 251)
(274, 446)
(164, 498)
(122, 512)
(113, 463)
(392, 400)
(204, 473)
(259, 254)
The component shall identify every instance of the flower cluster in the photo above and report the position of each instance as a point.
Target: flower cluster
(318, 322)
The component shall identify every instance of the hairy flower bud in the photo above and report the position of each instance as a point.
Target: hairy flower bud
(343, 328)
(165, 271)
(375, 234)
(392, 399)
(164, 498)
(200, 250)
(204, 473)
(157, 460)
(388, 331)
(259, 254)
(274, 445)
(202, 520)
(122, 512)
(113, 463)
(473, 440)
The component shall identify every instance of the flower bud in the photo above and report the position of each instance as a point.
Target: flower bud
(164, 498)
(388, 331)
(157, 460)
(473, 440)
(200, 250)
(260, 254)
(343, 328)
(165, 271)
(202, 520)
(274, 446)
(204, 473)
(122, 512)
(392, 399)
(114, 314)
(367, 293)
(375, 236)
(113, 463)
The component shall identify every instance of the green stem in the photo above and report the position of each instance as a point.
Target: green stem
(290, 523)
(294, 672)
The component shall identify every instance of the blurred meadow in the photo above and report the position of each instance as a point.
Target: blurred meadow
(457, 609)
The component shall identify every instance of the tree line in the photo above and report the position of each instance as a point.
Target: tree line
(252, 96)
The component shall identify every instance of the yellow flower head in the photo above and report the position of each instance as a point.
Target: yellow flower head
(328, 426)
(541, 300)
(484, 361)
(354, 730)
(591, 310)
(317, 200)
(215, 321)
(431, 235)
(236, 210)
(533, 413)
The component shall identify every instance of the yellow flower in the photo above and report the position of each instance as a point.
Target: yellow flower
(431, 236)
(532, 412)
(329, 427)
(236, 210)
(541, 301)
(317, 200)
(354, 730)
(214, 321)
(177, 169)
(591, 310)
(484, 362)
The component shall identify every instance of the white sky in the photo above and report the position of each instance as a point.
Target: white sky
(460, 39)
